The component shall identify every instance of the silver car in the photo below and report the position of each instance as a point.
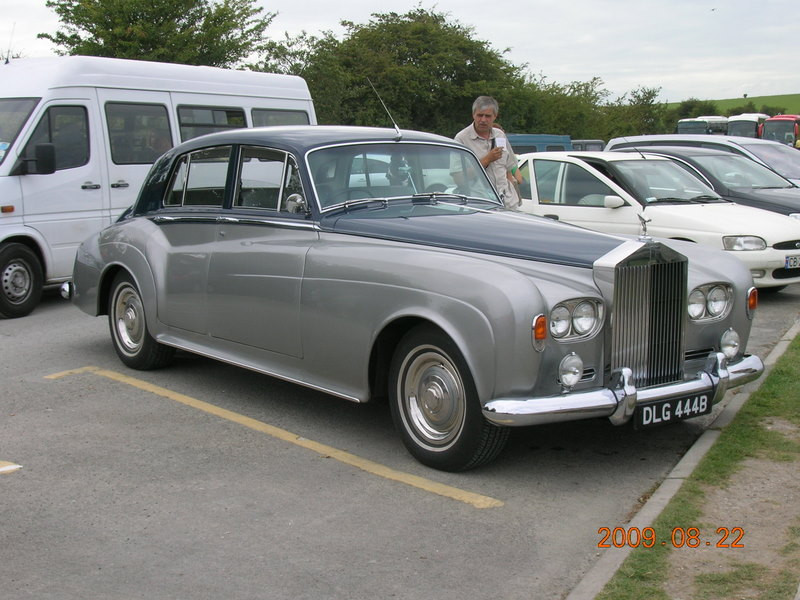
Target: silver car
(261, 248)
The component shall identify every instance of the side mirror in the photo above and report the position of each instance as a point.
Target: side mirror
(45, 158)
(295, 203)
(613, 202)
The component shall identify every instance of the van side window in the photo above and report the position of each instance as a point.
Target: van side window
(199, 178)
(67, 128)
(264, 117)
(139, 133)
(199, 120)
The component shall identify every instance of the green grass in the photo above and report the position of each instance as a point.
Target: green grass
(791, 103)
(644, 572)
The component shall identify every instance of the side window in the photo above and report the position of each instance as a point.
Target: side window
(139, 133)
(546, 175)
(267, 178)
(199, 120)
(199, 178)
(264, 117)
(582, 188)
(525, 186)
(67, 128)
(260, 177)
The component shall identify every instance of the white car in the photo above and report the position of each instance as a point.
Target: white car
(633, 193)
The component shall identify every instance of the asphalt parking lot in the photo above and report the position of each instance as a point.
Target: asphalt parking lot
(208, 481)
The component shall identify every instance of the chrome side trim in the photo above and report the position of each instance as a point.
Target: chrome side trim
(619, 401)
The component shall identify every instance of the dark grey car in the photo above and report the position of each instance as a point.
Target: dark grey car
(734, 177)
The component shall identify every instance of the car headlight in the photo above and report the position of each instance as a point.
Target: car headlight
(795, 215)
(577, 318)
(710, 301)
(743, 242)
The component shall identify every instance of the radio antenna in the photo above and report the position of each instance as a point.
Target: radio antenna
(396, 128)
(10, 41)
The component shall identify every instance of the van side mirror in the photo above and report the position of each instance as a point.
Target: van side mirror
(42, 163)
(613, 202)
(45, 158)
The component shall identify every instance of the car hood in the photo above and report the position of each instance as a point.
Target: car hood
(498, 232)
(725, 219)
(787, 199)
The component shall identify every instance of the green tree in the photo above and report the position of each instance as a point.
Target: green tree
(194, 32)
(426, 69)
(637, 113)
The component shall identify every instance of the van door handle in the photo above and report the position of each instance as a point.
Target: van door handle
(120, 184)
(90, 186)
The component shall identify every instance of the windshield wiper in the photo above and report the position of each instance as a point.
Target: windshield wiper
(448, 196)
(703, 198)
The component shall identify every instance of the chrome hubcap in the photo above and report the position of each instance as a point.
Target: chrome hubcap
(128, 319)
(433, 396)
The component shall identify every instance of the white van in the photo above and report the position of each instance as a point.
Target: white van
(78, 135)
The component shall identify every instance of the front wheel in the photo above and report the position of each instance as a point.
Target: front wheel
(22, 278)
(134, 345)
(435, 405)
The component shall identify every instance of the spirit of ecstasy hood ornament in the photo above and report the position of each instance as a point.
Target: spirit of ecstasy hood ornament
(643, 235)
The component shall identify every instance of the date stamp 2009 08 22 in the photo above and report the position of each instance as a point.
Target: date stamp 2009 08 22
(680, 537)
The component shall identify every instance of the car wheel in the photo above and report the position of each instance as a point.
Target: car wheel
(22, 279)
(134, 345)
(435, 405)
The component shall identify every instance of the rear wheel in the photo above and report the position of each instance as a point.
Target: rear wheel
(22, 278)
(126, 320)
(435, 405)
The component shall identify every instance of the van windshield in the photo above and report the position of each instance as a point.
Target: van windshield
(14, 112)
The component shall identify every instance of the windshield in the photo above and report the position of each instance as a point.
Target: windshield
(779, 131)
(391, 170)
(779, 157)
(743, 128)
(693, 127)
(14, 112)
(656, 180)
(739, 172)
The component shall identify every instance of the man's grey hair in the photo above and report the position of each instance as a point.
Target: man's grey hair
(484, 102)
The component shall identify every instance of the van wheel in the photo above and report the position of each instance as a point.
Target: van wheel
(134, 345)
(22, 280)
(435, 406)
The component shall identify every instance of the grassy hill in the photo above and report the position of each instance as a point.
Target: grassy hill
(790, 102)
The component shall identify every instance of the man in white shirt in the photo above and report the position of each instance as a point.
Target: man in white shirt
(492, 148)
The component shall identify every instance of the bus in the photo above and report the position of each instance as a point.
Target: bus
(710, 124)
(747, 124)
(782, 128)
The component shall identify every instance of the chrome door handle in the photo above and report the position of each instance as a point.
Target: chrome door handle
(120, 184)
(90, 186)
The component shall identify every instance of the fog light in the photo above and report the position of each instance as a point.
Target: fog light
(570, 370)
(758, 273)
(729, 343)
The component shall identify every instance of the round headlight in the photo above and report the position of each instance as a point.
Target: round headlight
(717, 301)
(729, 343)
(697, 304)
(570, 370)
(584, 318)
(559, 321)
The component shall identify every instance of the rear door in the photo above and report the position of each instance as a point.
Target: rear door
(137, 129)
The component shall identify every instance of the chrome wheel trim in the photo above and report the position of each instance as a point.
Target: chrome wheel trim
(129, 322)
(432, 397)
(17, 281)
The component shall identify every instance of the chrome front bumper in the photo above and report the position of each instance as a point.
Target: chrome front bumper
(619, 401)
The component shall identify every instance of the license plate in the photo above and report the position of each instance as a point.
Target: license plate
(672, 410)
(793, 262)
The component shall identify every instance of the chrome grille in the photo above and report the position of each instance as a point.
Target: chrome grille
(649, 315)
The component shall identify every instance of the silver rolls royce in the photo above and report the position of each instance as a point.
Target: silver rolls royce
(374, 263)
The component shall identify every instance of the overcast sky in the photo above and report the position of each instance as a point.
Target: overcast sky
(707, 49)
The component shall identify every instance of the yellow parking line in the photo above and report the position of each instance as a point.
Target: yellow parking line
(476, 500)
(8, 467)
